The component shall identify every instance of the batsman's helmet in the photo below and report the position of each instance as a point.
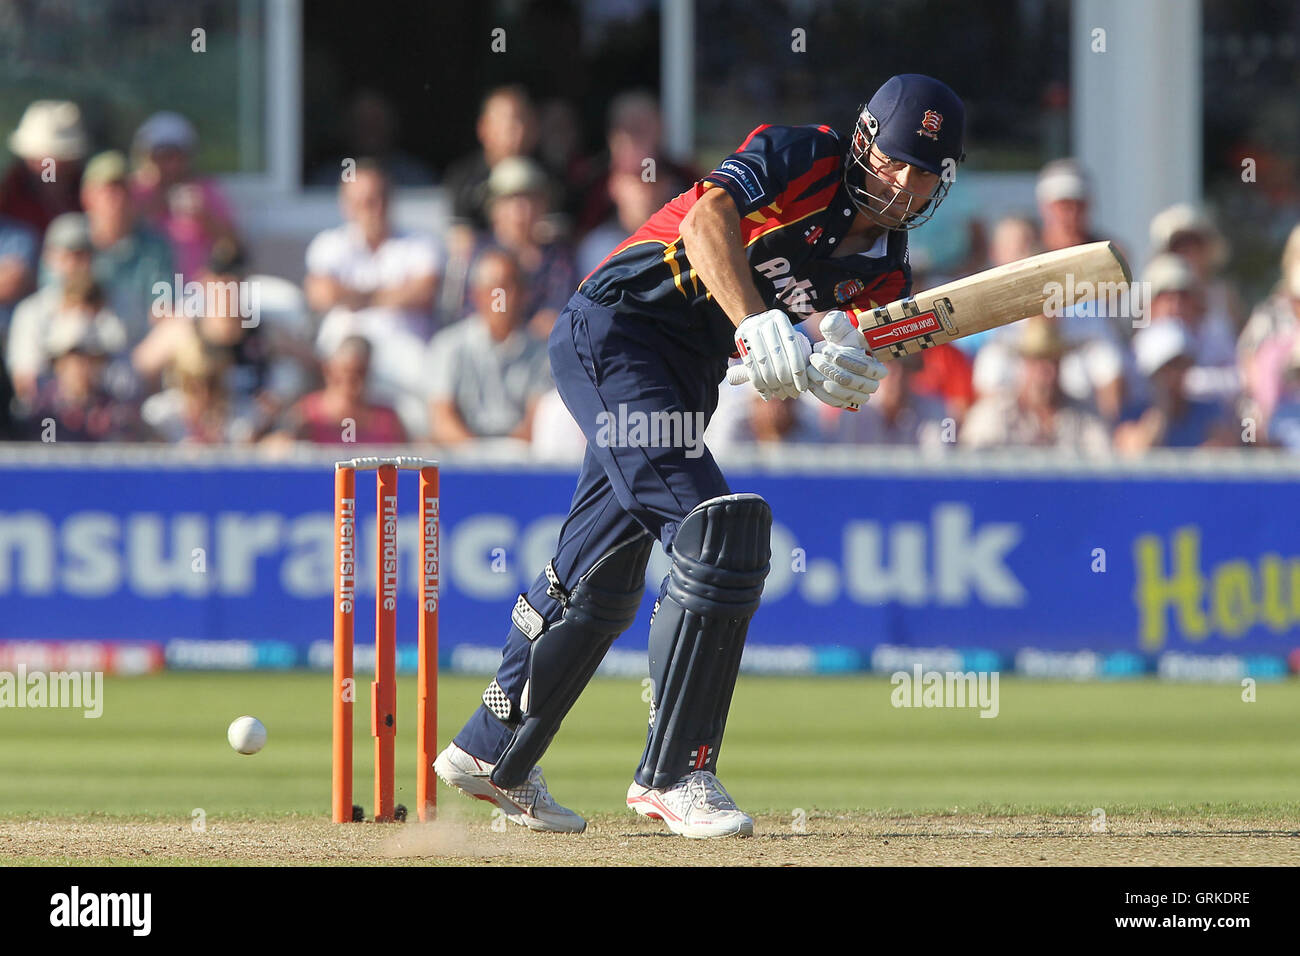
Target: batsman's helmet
(912, 119)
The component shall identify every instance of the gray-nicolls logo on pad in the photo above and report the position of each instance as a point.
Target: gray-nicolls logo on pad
(76, 909)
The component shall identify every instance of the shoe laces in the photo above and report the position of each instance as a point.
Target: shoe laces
(706, 792)
(534, 793)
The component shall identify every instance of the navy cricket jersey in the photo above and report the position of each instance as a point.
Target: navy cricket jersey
(787, 182)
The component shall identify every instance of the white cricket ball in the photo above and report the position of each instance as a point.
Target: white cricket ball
(247, 735)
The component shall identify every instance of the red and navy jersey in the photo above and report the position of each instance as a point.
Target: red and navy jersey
(788, 183)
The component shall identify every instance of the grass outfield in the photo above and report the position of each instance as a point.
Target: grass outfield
(833, 748)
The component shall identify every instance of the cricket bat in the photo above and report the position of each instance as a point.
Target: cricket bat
(987, 300)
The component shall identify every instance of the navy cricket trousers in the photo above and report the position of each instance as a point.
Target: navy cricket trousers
(624, 367)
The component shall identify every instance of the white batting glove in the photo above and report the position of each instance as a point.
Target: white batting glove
(842, 373)
(775, 358)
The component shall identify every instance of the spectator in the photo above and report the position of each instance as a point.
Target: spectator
(1277, 317)
(747, 422)
(1063, 199)
(635, 201)
(373, 280)
(129, 259)
(41, 183)
(896, 415)
(946, 375)
(73, 404)
(198, 407)
(1187, 231)
(1013, 238)
(1177, 294)
(340, 412)
(556, 436)
(370, 129)
(1037, 412)
(559, 147)
(189, 210)
(1165, 353)
(260, 377)
(518, 208)
(67, 254)
(367, 276)
(1283, 422)
(634, 145)
(487, 373)
(1092, 372)
(507, 126)
(17, 266)
(77, 302)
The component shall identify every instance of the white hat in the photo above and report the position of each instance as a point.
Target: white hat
(166, 129)
(1160, 343)
(1168, 272)
(514, 175)
(1182, 218)
(1061, 179)
(49, 129)
(69, 333)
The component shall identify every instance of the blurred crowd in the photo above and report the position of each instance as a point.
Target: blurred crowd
(129, 311)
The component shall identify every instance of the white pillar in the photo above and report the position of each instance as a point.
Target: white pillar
(1136, 121)
(677, 77)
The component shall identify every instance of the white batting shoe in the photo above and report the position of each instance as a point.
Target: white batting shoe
(697, 806)
(530, 804)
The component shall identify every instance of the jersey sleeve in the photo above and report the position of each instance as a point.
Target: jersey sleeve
(773, 160)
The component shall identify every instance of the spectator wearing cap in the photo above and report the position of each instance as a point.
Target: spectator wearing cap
(1037, 412)
(190, 210)
(49, 145)
(66, 254)
(1093, 370)
(507, 126)
(74, 399)
(1177, 293)
(1165, 352)
(1064, 201)
(341, 411)
(485, 372)
(129, 259)
(76, 302)
(518, 207)
(1187, 230)
(1273, 321)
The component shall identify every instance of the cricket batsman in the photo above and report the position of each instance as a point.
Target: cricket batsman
(799, 221)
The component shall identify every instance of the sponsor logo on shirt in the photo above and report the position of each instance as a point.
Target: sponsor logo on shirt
(742, 176)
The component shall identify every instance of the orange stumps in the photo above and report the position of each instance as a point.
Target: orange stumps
(383, 690)
(345, 584)
(383, 696)
(426, 784)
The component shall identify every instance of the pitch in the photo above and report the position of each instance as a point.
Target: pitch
(1134, 772)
